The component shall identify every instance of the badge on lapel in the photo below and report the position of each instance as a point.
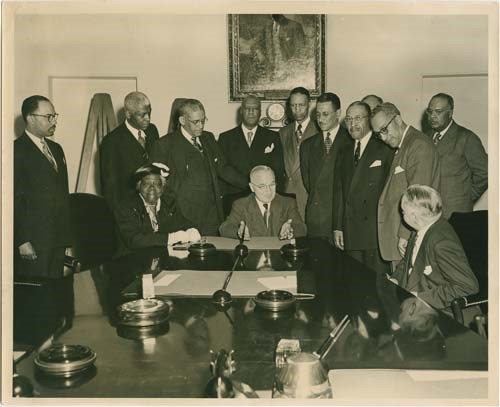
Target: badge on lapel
(269, 149)
(427, 270)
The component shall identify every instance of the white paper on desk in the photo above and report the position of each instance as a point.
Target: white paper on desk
(438, 375)
(279, 283)
(166, 280)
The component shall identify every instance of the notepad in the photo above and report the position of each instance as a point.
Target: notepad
(166, 280)
(279, 283)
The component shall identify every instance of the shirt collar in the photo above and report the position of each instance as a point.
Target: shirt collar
(421, 233)
(443, 132)
(133, 130)
(402, 138)
(333, 131)
(304, 124)
(158, 204)
(35, 139)
(261, 205)
(187, 136)
(245, 130)
(364, 141)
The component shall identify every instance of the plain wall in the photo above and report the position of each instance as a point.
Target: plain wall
(187, 56)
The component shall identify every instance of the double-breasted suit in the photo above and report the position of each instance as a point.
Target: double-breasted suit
(194, 177)
(291, 158)
(441, 271)
(246, 209)
(357, 191)
(464, 169)
(415, 162)
(317, 168)
(41, 208)
(120, 156)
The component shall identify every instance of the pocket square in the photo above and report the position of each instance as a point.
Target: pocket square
(376, 163)
(427, 270)
(398, 169)
(269, 149)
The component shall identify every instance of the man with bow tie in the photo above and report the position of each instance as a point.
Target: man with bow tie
(464, 162)
(435, 267)
(360, 175)
(416, 161)
(126, 148)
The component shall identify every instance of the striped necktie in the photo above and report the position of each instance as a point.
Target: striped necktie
(328, 142)
(141, 139)
(298, 133)
(266, 214)
(196, 144)
(249, 138)
(357, 153)
(48, 154)
(437, 138)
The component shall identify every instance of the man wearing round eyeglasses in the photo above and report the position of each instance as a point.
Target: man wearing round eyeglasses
(197, 165)
(416, 161)
(263, 213)
(464, 162)
(362, 169)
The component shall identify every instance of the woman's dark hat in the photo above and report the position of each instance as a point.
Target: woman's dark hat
(149, 169)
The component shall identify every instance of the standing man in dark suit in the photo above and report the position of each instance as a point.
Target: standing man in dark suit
(196, 163)
(416, 161)
(249, 145)
(362, 168)
(318, 155)
(435, 267)
(42, 227)
(464, 162)
(292, 137)
(126, 148)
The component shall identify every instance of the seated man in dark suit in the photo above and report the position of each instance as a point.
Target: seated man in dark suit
(435, 267)
(149, 219)
(263, 213)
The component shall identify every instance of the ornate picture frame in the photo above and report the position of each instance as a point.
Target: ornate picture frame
(270, 54)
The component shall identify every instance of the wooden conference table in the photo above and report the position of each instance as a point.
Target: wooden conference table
(393, 347)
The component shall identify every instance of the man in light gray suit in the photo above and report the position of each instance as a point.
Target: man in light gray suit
(464, 163)
(292, 136)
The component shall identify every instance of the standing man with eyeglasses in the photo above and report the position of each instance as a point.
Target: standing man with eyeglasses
(292, 136)
(127, 148)
(249, 145)
(196, 164)
(318, 155)
(360, 175)
(464, 162)
(416, 161)
(42, 227)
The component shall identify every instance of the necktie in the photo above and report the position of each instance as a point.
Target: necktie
(249, 138)
(298, 133)
(328, 142)
(266, 214)
(141, 139)
(409, 253)
(196, 144)
(47, 153)
(357, 153)
(151, 210)
(437, 138)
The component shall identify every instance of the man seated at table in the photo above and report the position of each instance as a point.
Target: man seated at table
(149, 219)
(263, 213)
(434, 267)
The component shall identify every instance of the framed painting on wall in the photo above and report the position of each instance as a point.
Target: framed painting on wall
(270, 54)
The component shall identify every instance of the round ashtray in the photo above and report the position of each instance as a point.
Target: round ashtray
(275, 300)
(202, 249)
(143, 312)
(65, 360)
(295, 249)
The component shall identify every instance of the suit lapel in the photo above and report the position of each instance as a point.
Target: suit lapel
(37, 155)
(257, 217)
(291, 156)
(364, 162)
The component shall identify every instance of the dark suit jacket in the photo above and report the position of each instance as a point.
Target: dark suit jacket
(441, 271)
(464, 169)
(41, 198)
(317, 169)
(291, 158)
(247, 209)
(357, 190)
(194, 177)
(416, 162)
(120, 156)
(134, 224)
(234, 145)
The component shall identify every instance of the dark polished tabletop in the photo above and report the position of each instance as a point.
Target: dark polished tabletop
(389, 329)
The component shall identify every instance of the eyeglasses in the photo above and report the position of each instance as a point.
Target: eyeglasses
(198, 122)
(264, 186)
(356, 119)
(384, 130)
(50, 117)
(437, 111)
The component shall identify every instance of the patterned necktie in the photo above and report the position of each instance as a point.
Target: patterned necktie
(437, 138)
(151, 210)
(48, 154)
(328, 142)
(409, 253)
(196, 144)
(266, 214)
(298, 133)
(249, 138)
(357, 153)
(141, 139)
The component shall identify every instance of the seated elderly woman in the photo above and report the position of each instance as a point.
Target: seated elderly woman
(151, 218)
